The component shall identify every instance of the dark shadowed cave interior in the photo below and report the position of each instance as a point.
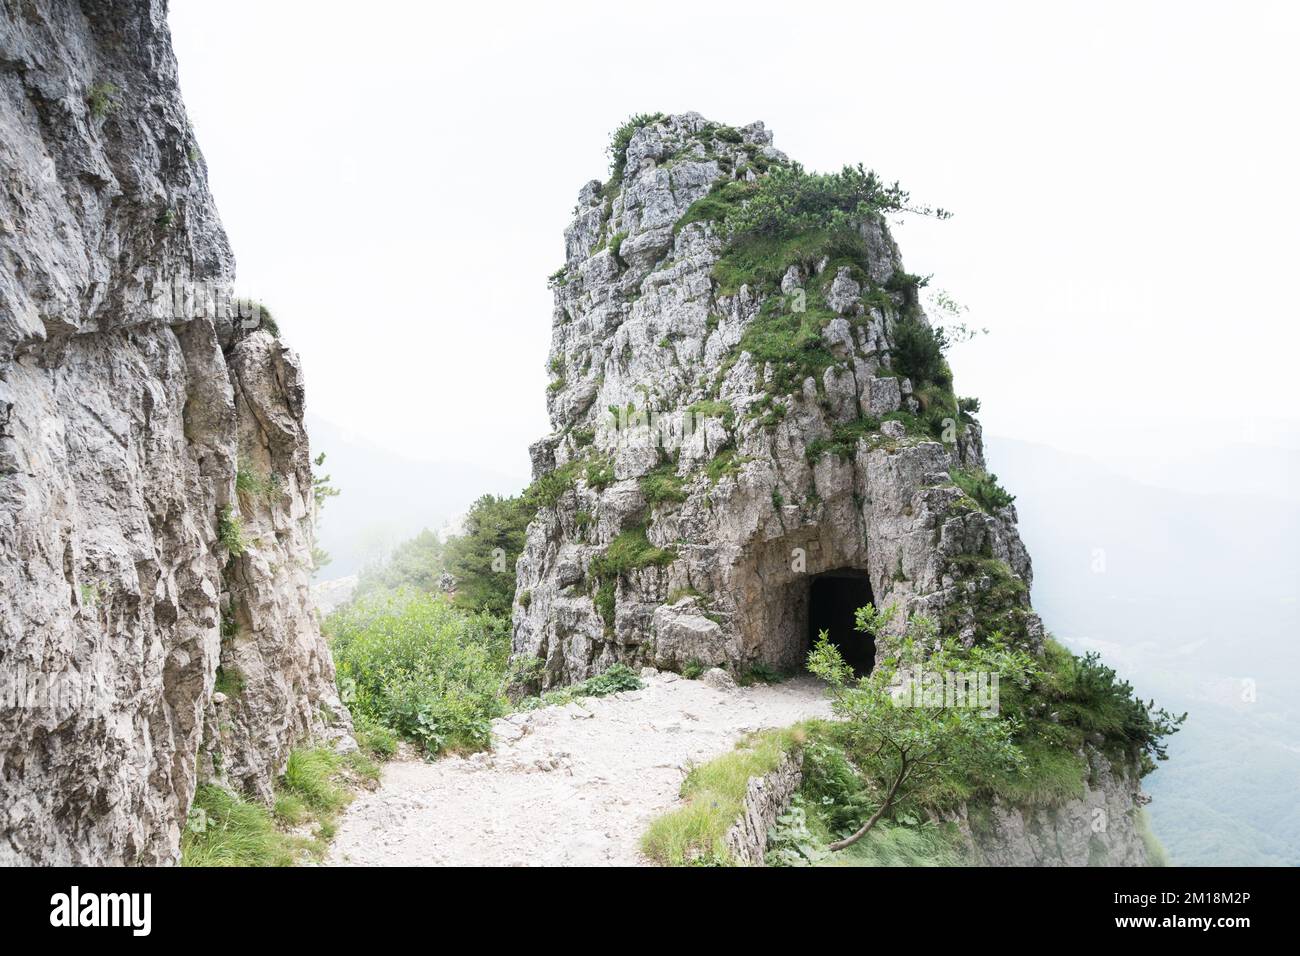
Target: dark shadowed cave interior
(833, 598)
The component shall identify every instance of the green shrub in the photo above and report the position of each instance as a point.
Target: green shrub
(910, 753)
(760, 262)
(918, 353)
(615, 247)
(790, 343)
(547, 490)
(831, 782)
(617, 148)
(600, 473)
(482, 559)
(432, 672)
(226, 829)
(1050, 707)
(759, 673)
(257, 316)
(843, 441)
(993, 598)
(606, 600)
(722, 200)
(628, 552)
(253, 486)
(230, 681)
(1089, 698)
(102, 99)
(983, 488)
(417, 564)
(713, 408)
(618, 677)
(801, 835)
(663, 486)
(790, 201)
(724, 463)
(790, 217)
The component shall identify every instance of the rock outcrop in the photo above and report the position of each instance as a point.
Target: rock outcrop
(134, 577)
(692, 493)
(1100, 828)
(733, 424)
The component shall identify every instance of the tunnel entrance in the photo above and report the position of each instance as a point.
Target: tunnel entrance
(833, 598)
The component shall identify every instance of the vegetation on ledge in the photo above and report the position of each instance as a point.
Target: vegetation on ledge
(430, 672)
(629, 552)
(983, 488)
(715, 793)
(225, 828)
(663, 486)
(617, 148)
(877, 780)
(619, 677)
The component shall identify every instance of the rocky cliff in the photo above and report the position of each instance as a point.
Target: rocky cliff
(1102, 827)
(155, 488)
(695, 490)
(740, 438)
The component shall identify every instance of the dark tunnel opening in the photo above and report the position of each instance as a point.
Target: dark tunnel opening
(833, 600)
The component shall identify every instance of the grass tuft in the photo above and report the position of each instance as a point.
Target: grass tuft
(230, 531)
(663, 486)
(224, 829)
(715, 793)
(310, 776)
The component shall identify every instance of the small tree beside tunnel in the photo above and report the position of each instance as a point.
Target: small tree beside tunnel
(911, 737)
(902, 741)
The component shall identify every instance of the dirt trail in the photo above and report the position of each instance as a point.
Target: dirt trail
(569, 785)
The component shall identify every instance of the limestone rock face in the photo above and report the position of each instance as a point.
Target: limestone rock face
(128, 402)
(653, 388)
(1101, 828)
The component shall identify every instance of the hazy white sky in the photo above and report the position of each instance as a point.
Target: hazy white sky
(395, 178)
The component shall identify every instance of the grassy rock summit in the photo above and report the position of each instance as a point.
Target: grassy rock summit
(755, 434)
(156, 492)
(750, 407)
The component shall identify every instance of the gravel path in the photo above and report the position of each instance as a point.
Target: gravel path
(569, 785)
